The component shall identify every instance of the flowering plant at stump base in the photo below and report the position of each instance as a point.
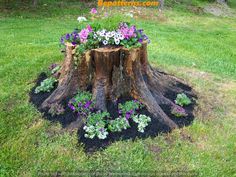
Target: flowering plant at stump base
(178, 111)
(142, 121)
(81, 103)
(128, 110)
(118, 124)
(47, 85)
(56, 109)
(182, 100)
(96, 125)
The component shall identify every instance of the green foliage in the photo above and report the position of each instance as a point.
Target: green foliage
(118, 124)
(133, 43)
(142, 121)
(46, 85)
(182, 100)
(109, 22)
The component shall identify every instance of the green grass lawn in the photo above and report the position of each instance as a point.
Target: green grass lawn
(201, 49)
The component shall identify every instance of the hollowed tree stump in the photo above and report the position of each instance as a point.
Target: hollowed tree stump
(113, 73)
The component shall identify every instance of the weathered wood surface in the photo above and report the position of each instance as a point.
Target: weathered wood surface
(113, 73)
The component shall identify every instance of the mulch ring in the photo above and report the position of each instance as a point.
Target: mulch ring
(91, 145)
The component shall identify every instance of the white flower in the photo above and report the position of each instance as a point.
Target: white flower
(102, 135)
(129, 15)
(116, 36)
(121, 36)
(113, 33)
(105, 42)
(109, 34)
(102, 34)
(81, 19)
(95, 36)
(117, 41)
(107, 37)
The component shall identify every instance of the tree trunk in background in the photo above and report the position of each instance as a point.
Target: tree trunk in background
(35, 2)
(161, 6)
(222, 1)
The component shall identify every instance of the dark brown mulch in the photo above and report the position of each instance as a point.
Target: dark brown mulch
(90, 145)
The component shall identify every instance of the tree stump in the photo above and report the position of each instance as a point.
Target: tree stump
(114, 72)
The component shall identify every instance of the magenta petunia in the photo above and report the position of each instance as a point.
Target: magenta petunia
(93, 11)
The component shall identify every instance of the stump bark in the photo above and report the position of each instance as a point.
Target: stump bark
(114, 72)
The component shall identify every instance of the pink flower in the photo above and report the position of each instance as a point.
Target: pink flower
(89, 28)
(127, 32)
(93, 11)
(84, 33)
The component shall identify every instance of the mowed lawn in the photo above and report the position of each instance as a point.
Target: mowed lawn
(201, 49)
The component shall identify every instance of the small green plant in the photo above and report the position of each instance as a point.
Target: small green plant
(46, 85)
(178, 111)
(182, 100)
(56, 109)
(96, 125)
(142, 121)
(118, 124)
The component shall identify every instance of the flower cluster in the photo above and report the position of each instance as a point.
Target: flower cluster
(96, 125)
(126, 31)
(108, 37)
(178, 111)
(93, 11)
(72, 38)
(182, 100)
(129, 109)
(118, 124)
(82, 103)
(84, 33)
(142, 121)
(93, 36)
(81, 19)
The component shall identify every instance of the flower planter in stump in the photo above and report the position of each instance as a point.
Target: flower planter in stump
(114, 72)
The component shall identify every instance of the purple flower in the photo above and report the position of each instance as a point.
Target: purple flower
(73, 100)
(72, 107)
(93, 11)
(52, 66)
(101, 129)
(87, 104)
(140, 40)
(67, 36)
(127, 32)
(120, 111)
(89, 28)
(127, 115)
(79, 104)
(62, 40)
(178, 111)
